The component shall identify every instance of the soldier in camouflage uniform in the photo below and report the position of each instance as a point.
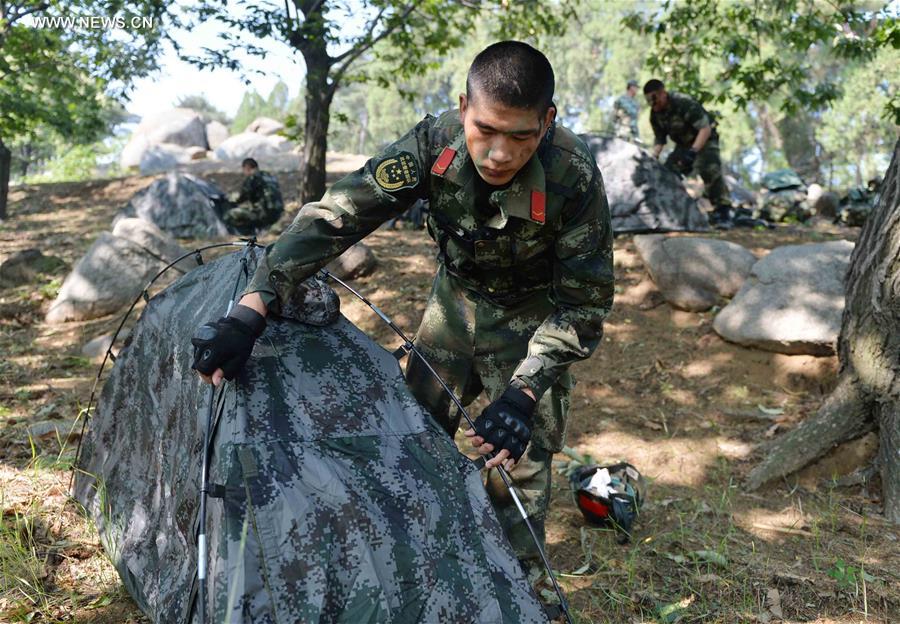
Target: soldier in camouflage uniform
(626, 114)
(525, 276)
(261, 191)
(858, 203)
(693, 130)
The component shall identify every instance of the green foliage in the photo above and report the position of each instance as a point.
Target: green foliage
(277, 105)
(66, 77)
(848, 576)
(763, 51)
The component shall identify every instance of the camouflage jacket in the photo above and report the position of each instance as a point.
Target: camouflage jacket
(626, 117)
(549, 233)
(681, 121)
(262, 191)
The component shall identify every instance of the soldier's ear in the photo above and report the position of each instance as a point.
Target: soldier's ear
(549, 116)
(463, 105)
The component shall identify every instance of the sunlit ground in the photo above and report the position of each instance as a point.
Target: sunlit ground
(662, 391)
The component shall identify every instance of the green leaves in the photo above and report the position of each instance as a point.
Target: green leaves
(766, 51)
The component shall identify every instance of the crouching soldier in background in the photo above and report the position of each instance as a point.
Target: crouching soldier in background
(261, 192)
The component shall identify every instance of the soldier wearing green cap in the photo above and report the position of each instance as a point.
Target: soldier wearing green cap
(625, 112)
(525, 267)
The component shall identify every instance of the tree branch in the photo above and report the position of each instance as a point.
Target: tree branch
(347, 58)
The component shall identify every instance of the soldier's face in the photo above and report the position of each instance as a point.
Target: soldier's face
(658, 100)
(500, 138)
(248, 170)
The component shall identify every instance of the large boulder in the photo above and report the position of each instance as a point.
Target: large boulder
(643, 195)
(252, 145)
(108, 277)
(167, 156)
(182, 205)
(357, 261)
(178, 126)
(792, 302)
(154, 241)
(694, 273)
(216, 133)
(265, 125)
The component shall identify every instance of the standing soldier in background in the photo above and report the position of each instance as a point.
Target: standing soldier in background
(260, 189)
(626, 114)
(693, 130)
(525, 268)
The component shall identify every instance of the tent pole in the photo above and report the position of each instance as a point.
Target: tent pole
(408, 346)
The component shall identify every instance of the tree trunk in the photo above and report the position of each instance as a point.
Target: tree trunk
(843, 416)
(5, 164)
(868, 348)
(799, 143)
(319, 94)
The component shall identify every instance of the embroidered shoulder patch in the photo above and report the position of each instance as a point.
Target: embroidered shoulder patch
(397, 172)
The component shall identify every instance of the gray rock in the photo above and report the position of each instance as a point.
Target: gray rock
(643, 195)
(252, 145)
(163, 157)
(24, 266)
(357, 261)
(694, 273)
(793, 301)
(182, 205)
(265, 125)
(216, 133)
(178, 126)
(97, 348)
(156, 242)
(49, 430)
(108, 277)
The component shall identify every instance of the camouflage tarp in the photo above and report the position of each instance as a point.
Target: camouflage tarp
(643, 195)
(340, 500)
(183, 205)
(782, 179)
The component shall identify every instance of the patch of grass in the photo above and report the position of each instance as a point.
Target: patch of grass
(51, 289)
(22, 568)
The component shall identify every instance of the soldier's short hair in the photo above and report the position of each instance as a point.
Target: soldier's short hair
(514, 74)
(249, 162)
(653, 85)
(631, 83)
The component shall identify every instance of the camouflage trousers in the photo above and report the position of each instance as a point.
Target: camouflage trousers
(247, 219)
(475, 345)
(708, 165)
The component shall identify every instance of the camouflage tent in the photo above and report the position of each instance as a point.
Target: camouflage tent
(334, 497)
(643, 195)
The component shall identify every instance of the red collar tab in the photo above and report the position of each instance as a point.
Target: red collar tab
(538, 206)
(443, 161)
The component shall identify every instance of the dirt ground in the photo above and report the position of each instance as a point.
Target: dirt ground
(691, 411)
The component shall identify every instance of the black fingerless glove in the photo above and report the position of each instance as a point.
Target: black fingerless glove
(228, 342)
(506, 423)
(687, 159)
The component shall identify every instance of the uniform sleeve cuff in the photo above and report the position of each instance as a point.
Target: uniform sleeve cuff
(534, 375)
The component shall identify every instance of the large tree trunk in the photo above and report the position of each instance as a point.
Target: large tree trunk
(5, 164)
(868, 393)
(319, 94)
(799, 144)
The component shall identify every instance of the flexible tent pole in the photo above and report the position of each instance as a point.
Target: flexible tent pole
(408, 347)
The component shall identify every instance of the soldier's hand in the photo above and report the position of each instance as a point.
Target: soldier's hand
(505, 427)
(221, 348)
